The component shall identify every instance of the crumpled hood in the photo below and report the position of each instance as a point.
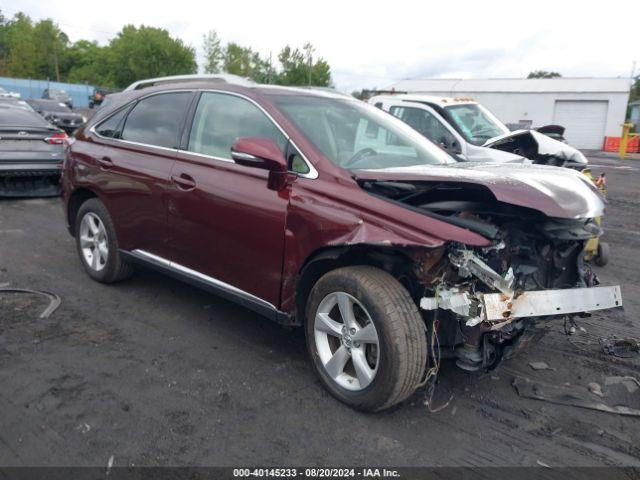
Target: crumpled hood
(555, 191)
(547, 146)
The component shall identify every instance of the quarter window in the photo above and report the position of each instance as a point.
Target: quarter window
(110, 128)
(295, 161)
(157, 120)
(221, 119)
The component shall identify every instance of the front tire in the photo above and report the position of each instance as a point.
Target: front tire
(366, 337)
(97, 244)
(602, 256)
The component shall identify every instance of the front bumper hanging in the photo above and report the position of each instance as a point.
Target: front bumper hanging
(501, 308)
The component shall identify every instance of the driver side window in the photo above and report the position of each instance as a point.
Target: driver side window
(221, 119)
(424, 122)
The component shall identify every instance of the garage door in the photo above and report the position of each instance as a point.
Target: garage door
(584, 122)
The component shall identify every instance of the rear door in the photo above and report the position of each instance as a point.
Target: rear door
(224, 223)
(137, 148)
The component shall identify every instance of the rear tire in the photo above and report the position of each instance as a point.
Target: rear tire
(381, 364)
(97, 244)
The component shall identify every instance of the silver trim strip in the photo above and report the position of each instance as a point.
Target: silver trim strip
(174, 150)
(204, 155)
(227, 78)
(201, 276)
(243, 155)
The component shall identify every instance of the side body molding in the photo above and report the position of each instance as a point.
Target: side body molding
(207, 283)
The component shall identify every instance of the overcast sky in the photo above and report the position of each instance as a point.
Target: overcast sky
(372, 44)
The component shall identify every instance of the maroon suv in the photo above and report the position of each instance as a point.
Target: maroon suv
(318, 210)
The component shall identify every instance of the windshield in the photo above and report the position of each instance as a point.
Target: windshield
(355, 135)
(475, 123)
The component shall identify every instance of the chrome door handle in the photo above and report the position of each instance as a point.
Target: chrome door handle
(105, 162)
(184, 181)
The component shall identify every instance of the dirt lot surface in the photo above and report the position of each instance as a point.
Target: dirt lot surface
(155, 372)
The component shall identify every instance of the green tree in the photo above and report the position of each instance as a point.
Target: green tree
(213, 52)
(4, 42)
(22, 56)
(543, 74)
(245, 62)
(87, 62)
(237, 59)
(634, 94)
(145, 52)
(51, 44)
(298, 68)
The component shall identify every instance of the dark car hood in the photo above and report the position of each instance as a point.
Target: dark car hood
(555, 191)
(63, 115)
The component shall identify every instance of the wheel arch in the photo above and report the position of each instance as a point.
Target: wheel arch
(396, 261)
(76, 199)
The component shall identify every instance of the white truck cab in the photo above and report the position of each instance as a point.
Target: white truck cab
(470, 132)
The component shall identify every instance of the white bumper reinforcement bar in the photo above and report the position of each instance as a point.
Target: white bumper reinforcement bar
(498, 307)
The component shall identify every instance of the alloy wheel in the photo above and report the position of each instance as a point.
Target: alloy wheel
(94, 242)
(346, 341)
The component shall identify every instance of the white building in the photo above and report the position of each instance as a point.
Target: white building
(589, 108)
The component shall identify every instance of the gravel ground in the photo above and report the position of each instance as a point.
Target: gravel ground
(155, 372)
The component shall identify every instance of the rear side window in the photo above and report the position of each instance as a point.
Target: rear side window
(110, 128)
(221, 119)
(157, 120)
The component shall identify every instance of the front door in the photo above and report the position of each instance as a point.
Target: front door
(224, 223)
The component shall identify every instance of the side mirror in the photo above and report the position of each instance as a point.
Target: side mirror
(456, 148)
(263, 153)
(452, 146)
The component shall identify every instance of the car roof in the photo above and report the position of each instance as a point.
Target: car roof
(441, 101)
(117, 100)
(11, 102)
(45, 101)
(221, 81)
(14, 117)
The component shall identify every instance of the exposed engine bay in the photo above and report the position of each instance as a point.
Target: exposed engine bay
(487, 297)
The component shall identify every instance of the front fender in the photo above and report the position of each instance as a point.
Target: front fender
(317, 219)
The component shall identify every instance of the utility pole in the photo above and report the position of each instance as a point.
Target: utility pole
(55, 61)
(270, 68)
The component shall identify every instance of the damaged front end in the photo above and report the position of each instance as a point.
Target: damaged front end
(487, 299)
(538, 280)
